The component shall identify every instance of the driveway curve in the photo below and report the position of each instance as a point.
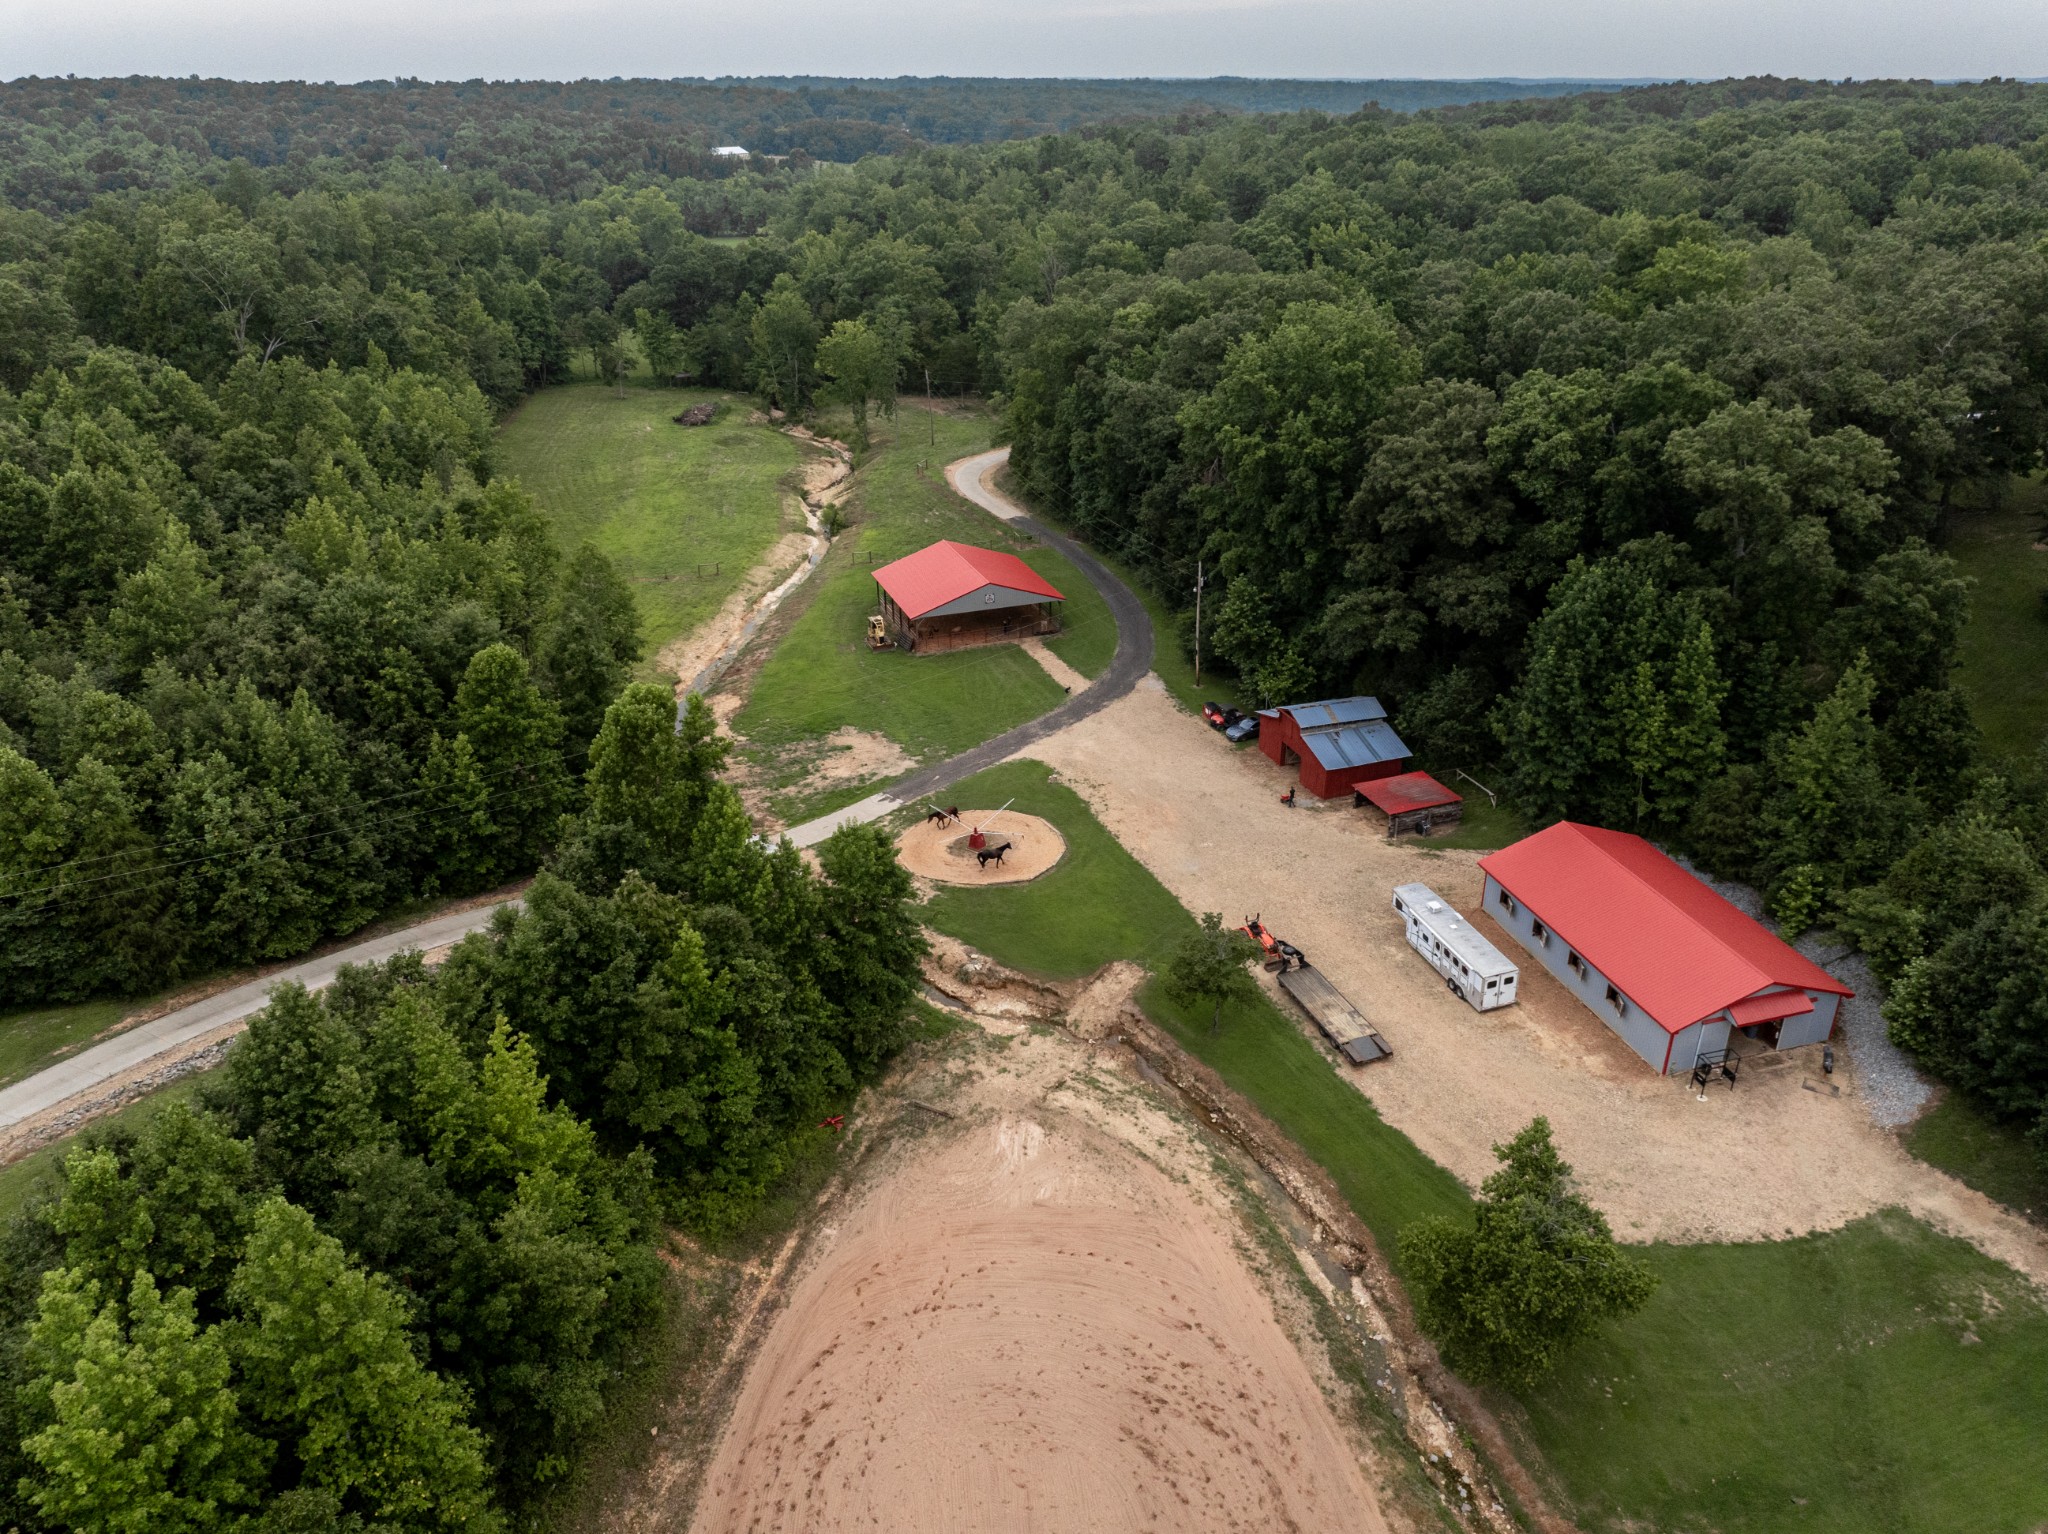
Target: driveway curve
(74, 1080)
(1133, 658)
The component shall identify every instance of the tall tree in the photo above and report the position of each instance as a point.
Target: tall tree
(1535, 1273)
(1209, 966)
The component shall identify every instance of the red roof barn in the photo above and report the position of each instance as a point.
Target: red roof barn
(1339, 742)
(952, 595)
(1665, 962)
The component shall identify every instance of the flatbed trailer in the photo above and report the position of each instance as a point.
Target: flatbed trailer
(1342, 1024)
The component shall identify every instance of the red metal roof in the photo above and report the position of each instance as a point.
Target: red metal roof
(1407, 791)
(948, 571)
(1771, 1007)
(1672, 945)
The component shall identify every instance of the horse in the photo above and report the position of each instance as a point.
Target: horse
(941, 817)
(989, 855)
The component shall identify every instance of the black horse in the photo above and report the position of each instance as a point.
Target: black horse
(989, 855)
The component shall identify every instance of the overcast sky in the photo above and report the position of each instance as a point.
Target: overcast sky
(563, 39)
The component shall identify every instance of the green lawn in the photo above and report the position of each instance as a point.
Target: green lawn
(2004, 653)
(1169, 661)
(684, 512)
(823, 675)
(1881, 1377)
(1101, 904)
(1989, 1154)
(40, 1036)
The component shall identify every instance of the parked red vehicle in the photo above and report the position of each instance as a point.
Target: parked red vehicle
(1219, 717)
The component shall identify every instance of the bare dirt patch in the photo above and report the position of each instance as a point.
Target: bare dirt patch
(856, 756)
(1055, 668)
(688, 655)
(1768, 1159)
(1041, 1313)
(941, 851)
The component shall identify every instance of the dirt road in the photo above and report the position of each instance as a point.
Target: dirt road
(1045, 1314)
(1765, 1160)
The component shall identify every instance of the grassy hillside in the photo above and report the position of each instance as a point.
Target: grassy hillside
(823, 675)
(1877, 1378)
(684, 512)
(2004, 654)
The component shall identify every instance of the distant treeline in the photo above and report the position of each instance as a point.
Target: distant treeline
(63, 142)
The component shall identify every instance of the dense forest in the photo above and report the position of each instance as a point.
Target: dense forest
(1613, 440)
(387, 1276)
(64, 141)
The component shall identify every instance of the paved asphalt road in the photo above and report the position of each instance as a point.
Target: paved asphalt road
(1132, 660)
(91, 1067)
(104, 1061)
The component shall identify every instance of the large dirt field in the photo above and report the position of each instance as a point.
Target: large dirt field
(1045, 1313)
(1767, 1159)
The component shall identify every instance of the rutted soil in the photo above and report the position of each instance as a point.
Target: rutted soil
(1040, 1312)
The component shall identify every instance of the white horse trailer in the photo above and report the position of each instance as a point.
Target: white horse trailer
(1474, 970)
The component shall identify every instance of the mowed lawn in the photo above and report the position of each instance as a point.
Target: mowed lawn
(2004, 653)
(37, 1037)
(683, 512)
(1882, 1377)
(1968, 1141)
(822, 674)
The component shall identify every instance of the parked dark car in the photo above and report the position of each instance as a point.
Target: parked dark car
(1246, 728)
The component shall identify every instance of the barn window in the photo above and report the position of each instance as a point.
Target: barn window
(1576, 965)
(1614, 1000)
(1539, 932)
(1507, 904)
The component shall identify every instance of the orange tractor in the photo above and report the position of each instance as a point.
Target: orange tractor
(1279, 952)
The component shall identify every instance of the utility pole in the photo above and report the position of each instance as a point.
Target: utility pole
(1198, 620)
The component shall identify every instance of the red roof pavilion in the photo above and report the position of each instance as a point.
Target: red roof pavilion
(950, 573)
(1406, 792)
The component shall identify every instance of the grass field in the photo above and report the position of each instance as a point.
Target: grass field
(1882, 1377)
(822, 674)
(683, 512)
(1101, 904)
(1990, 1155)
(2004, 653)
(40, 1036)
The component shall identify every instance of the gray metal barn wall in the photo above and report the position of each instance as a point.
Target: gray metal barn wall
(1641, 1032)
(1702, 1038)
(1813, 1026)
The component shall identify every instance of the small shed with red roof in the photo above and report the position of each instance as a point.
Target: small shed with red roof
(1663, 960)
(1411, 801)
(953, 595)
